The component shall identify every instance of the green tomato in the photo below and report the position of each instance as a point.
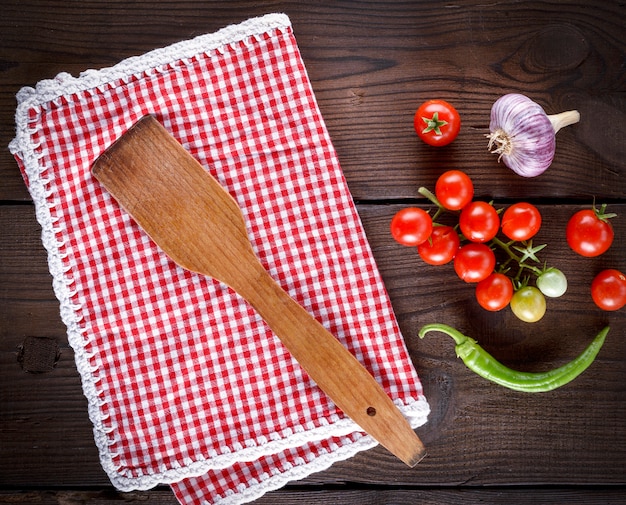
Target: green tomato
(552, 283)
(528, 304)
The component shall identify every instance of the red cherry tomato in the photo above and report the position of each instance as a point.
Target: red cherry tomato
(411, 226)
(437, 122)
(495, 292)
(474, 262)
(479, 221)
(608, 289)
(454, 189)
(521, 221)
(587, 234)
(441, 247)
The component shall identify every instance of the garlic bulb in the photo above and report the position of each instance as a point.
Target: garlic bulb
(523, 135)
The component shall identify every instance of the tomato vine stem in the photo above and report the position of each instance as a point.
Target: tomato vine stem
(425, 192)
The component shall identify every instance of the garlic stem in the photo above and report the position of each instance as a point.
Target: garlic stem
(564, 119)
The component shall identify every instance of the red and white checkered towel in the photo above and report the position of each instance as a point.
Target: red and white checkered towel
(186, 384)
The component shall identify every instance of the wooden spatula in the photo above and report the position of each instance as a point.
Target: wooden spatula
(198, 224)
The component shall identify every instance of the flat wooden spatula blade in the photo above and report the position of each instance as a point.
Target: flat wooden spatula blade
(198, 224)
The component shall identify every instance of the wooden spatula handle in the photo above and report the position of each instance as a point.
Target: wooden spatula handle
(334, 368)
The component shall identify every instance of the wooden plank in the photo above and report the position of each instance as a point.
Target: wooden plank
(478, 433)
(332, 496)
(371, 65)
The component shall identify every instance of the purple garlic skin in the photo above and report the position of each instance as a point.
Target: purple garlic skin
(522, 134)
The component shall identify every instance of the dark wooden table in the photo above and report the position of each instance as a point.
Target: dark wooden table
(371, 64)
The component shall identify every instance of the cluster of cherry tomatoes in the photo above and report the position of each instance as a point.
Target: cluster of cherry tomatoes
(470, 245)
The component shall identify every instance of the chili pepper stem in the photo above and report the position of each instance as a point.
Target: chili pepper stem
(564, 119)
(458, 337)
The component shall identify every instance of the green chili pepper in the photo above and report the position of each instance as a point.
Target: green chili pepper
(484, 364)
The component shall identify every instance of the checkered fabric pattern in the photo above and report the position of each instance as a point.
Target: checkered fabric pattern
(186, 384)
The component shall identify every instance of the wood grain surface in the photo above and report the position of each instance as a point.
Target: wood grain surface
(371, 64)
